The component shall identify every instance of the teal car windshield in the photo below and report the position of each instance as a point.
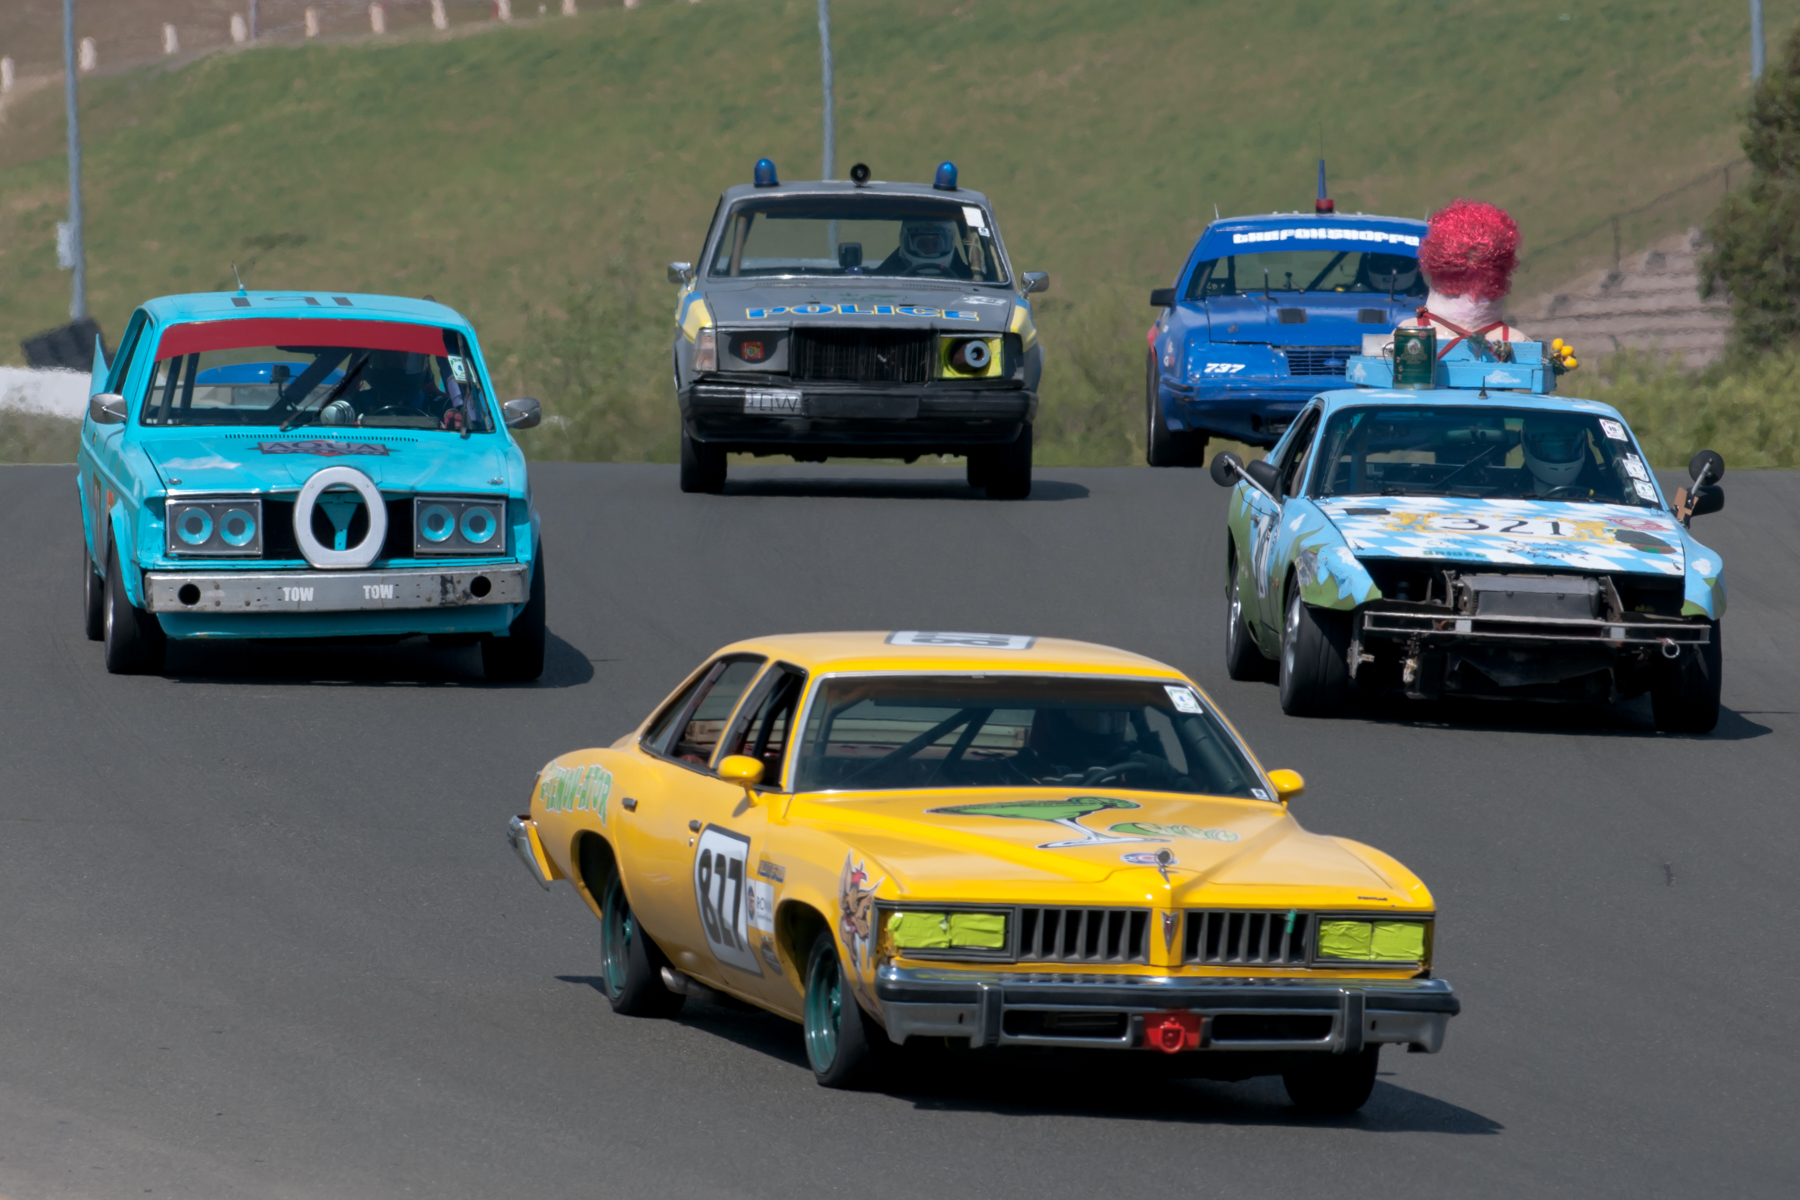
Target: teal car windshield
(375, 375)
(893, 236)
(871, 733)
(1365, 271)
(1482, 453)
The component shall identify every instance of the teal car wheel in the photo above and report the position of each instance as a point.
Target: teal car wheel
(843, 1046)
(630, 963)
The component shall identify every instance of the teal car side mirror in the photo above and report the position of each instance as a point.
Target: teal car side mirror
(106, 408)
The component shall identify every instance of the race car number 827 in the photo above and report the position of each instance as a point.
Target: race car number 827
(721, 889)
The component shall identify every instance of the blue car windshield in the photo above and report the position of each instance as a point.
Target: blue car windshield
(873, 733)
(1360, 271)
(384, 376)
(1486, 453)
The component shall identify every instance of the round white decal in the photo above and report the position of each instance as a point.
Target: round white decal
(339, 555)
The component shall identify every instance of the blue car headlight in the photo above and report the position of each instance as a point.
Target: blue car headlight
(446, 525)
(213, 528)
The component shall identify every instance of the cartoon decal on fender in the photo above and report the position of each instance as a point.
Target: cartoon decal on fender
(856, 910)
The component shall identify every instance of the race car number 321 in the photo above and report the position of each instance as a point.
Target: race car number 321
(726, 905)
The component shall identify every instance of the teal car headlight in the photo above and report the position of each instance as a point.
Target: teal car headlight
(213, 528)
(447, 525)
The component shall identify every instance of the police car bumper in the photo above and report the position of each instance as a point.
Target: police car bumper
(235, 592)
(915, 418)
(1109, 1012)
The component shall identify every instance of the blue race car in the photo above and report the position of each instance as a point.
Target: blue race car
(1267, 311)
(306, 466)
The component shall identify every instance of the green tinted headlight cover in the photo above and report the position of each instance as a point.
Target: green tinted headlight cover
(942, 931)
(1372, 941)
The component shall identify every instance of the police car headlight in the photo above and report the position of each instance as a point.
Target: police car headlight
(213, 528)
(444, 525)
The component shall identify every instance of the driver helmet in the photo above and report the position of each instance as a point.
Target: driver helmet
(1390, 272)
(931, 243)
(1555, 450)
(396, 377)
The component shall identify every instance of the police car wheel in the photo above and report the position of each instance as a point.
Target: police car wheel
(1009, 468)
(134, 639)
(1685, 697)
(702, 466)
(1332, 1084)
(1314, 672)
(93, 599)
(1244, 661)
(978, 468)
(519, 657)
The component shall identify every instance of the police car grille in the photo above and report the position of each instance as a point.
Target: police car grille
(1084, 935)
(1319, 360)
(1246, 938)
(861, 355)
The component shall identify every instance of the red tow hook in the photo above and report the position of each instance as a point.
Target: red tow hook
(1172, 1032)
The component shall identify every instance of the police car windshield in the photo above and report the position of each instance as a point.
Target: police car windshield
(1361, 271)
(377, 375)
(868, 733)
(891, 236)
(1487, 453)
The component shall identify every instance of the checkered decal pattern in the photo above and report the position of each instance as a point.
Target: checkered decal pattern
(1512, 533)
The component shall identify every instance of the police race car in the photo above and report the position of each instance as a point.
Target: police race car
(1267, 311)
(856, 319)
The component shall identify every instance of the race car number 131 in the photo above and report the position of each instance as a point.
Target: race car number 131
(721, 886)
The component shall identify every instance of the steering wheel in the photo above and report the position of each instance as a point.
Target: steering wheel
(1098, 775)
(1566, 487)
(920, 270)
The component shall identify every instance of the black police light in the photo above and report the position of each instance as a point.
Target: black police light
(859, 174)
(946, 177)
(765, 173)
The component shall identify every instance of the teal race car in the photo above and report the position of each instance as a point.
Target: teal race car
(306, 466)
(1472, 537)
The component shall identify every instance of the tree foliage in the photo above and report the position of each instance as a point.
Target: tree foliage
(1755, 231)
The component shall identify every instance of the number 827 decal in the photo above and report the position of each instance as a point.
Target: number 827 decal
(728, 897)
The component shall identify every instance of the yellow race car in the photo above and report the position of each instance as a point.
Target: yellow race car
(985, 841)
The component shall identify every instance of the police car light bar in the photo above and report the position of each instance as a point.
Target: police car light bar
(765, 173)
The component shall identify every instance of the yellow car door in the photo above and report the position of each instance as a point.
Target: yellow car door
(659, 827)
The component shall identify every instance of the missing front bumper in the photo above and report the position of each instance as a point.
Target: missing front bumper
(1107, 1012)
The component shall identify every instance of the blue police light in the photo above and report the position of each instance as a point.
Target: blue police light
(1324, 203)
(765, 173)
(946, 177)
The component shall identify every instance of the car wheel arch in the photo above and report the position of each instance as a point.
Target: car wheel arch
(798, 922)
(593, 857)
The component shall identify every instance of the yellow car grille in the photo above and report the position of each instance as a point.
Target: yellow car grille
(1084, 935)
(1246, 938)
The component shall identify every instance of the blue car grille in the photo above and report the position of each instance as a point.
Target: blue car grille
(1319, 360)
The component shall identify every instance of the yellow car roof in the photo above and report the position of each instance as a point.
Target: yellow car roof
(913, 650)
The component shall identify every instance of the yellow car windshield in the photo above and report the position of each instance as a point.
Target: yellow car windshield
(871, 733)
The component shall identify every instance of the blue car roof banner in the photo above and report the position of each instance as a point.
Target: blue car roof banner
(1294, 231)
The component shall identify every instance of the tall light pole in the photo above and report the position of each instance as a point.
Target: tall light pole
(77, 254)
(1756, 39)
(825, 63)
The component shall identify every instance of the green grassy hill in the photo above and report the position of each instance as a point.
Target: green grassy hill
(538, 176)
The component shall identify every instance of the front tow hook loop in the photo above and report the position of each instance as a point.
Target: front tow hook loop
(1669, 648)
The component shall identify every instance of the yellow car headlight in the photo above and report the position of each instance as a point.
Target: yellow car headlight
(915, 930)
(1372, 941)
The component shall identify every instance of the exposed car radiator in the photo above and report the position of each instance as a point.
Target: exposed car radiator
(1084, 935)
(1211, 936)
(862, 355)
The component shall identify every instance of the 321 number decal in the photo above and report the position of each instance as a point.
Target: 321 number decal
(721, 886)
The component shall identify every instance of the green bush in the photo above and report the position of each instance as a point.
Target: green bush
(1749, 411)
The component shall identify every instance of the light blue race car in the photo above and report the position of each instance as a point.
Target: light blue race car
(1460, 540)
(306, 466)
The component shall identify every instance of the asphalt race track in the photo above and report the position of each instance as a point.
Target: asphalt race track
(261, 933)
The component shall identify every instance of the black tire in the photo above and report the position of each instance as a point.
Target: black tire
(519, 657)
(1685, 697)
(1332, 1085)
(1009, 468)
(630, 962)
(979, 465)
(1315, 673)
(1244, 661)
(135, 641)
(844, 1045)
(93, 598)
(1163, 447)
(702, 466)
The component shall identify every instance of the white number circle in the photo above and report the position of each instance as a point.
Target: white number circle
(321, 555)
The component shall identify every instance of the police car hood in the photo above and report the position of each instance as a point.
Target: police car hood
(415, 460)
(1511, 533)
(873, 301)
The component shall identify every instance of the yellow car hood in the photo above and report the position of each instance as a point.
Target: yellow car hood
(1067, 845)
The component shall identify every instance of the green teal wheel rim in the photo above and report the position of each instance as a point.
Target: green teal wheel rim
(824, 1010)
(617, 929)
